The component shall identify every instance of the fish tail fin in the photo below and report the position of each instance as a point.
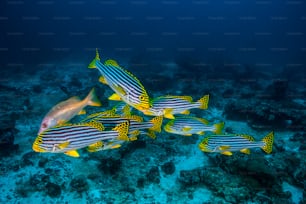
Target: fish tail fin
(92, 64)
(204, 102)
(151, 134)
(218, 128)
(92, 98)
(123, 129)
(268, 142)
(157, 123)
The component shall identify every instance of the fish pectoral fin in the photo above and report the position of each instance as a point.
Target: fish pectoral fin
(63, 145)
(186, 128)
(227, 153)
(102, 80)
(82, 112)
(168, 113)
(114, 97)
(224, 147)
(61, 122)
(72, 153)
(120, 89)
(245, 151)
(185, 112)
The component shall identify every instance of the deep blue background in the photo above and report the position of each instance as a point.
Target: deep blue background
(252, 32)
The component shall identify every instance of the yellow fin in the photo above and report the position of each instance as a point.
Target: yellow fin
(186, 128)
(168, 113)
(111, 62)
(151, 134)
(126, 110)
(94, 124)
(185, 112)
(72, 153)
(203, 146)
(245, 151)
(82, 112)
(63, 145)
(135, 117)
(224, 147)
(187, 98)
(114, 97)
(268, 143)
(116, 146)
(201, 133)
(102, 80)
(95, 146)
(218, 128)
(122, 129)
(204, 102)
(93, 62)
(248, 137)
(92, 98)
(157, 123)
(227, 153)
(61, 122)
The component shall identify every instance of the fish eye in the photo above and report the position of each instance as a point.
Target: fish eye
(141, 97)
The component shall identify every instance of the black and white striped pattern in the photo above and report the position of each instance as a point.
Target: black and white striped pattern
(234, 142)
(78, 136)
(135, 94)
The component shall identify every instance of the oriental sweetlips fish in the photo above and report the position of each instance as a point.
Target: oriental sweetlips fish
(168, 106)
(126, 86)
(66, 110)
(136, 124)
(226, 144)
(68, 138)
(192, 125)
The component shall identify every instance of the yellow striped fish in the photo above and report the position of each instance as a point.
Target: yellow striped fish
(188, 126)
(226, 144)
(168, 106)
(136, 124)
(68, 138)
(126, 86)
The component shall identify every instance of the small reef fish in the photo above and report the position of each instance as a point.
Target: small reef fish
(192, 125)
(68, 138)
(66, 110)
(168, 106)
(226, 144)
(136, 124)
(126, 86)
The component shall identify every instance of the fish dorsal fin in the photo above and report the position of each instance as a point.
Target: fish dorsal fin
(224, 147)
(74, 99)
(248, 137)
(203, 120)
(93, 62)
(186, 128)
(168, 113)
(114, 97)
(187, 98)
(72, 153)
(94, 124)
(63, 145)
(245, 151)
(123, 129)
(111, 62)
(102, 80)
(227, 153)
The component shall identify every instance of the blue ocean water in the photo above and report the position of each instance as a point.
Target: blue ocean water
(249, 56)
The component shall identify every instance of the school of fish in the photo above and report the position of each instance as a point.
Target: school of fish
(126, 121)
